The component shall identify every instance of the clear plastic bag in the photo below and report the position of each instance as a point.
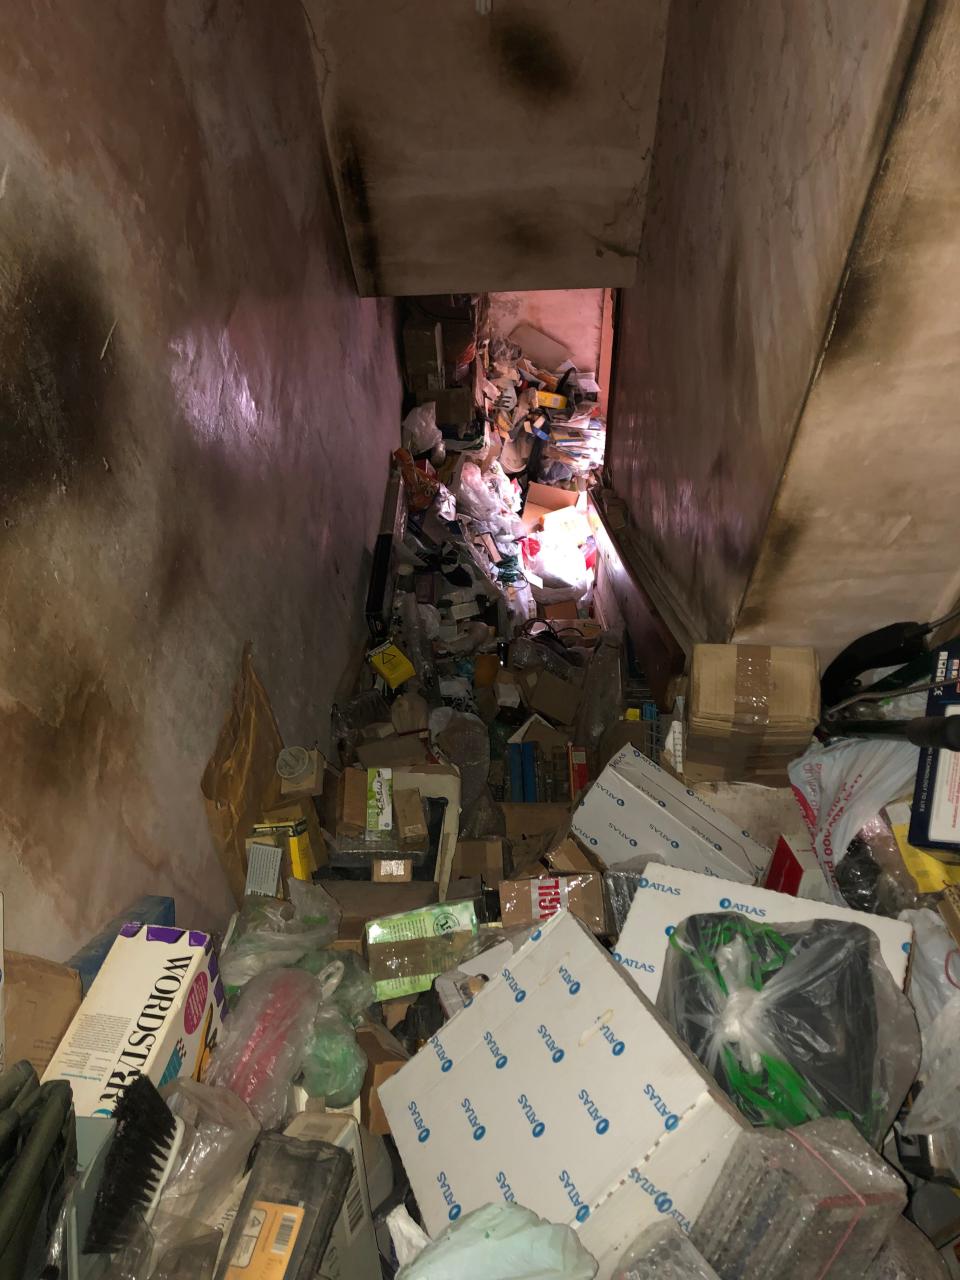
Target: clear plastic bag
(334, 1064)
(934, 966)
(353, 993)
(907, 1255)
(420, 433)
(265, 1039)
(219, 1133)
(663, 1252)
(503, 1241)
(842, 787)
(602, 699)
(271, 934)
(794, 1021)
(465, 741)
(806, 1204)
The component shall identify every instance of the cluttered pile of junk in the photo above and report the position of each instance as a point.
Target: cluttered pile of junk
(527, 979)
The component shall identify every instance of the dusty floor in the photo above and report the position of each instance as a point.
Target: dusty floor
(196, 413)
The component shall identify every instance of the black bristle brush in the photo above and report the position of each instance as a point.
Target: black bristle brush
(141, 1157)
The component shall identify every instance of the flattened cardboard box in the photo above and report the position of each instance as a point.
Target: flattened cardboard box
(636, 808)
(41, 999)
(668, 895)
(560, 1088)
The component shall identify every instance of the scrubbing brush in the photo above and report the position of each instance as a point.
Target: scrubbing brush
(140, 1160)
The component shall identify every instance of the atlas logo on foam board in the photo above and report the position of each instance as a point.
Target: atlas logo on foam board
(499, 1057)
(628, 962)
(449, 1198)
(479, 1130)
(670, 1118)
(609, 794)
(623, 835)
(505, 1188)
(662, 1201)
(446, 1062)
(729, 905)
(573, 984)
(556, 1053)
(601, 1123)
(674, 844)
(419, 1124)
(519, 994)
(537, 1126)
(613, 1040)
(660, 888)
(574, 1196)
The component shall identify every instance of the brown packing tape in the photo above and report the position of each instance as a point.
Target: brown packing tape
(416, 956)
(752, 687)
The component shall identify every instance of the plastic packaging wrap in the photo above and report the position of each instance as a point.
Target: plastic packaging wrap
(814, 1203)
(842, 787)
(465, 741)
(489, 498)
(602, 699)
(934, 966)
(663, 1252)
(219, 1133)
(334, 1064)
(353, 994)
(526, 654)
(907, 1255)
(264, 1041)
(420, 433)
(794, 1021)
(871, 875)
(619, 889)
(270, 933)
(503, 1241)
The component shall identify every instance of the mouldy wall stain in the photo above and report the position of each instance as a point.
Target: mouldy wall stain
(196, 415)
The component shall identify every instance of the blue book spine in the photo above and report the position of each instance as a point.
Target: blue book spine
(529, 773)
(516, 771)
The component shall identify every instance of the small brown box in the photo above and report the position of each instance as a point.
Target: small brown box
(478, 858)
(392, 870)
(532, 901)
(352, 803)
(408, 814)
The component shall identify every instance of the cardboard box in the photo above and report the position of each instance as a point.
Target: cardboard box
(570, 858)
(550, 696)
(636, 808)
(297, 822)
(526, 820)
(392, 664)
(385, 1056)
(352, 803)
(438, 782)
(750, 710)
(391, 870)
(352, 1253)
(406, 952)
(362, 900)
(408, 814)
(423, 357)
(399, 752)
(265, 863)
(148, 909)
(668, 895)
(479, 858)
(535, 900)
(454, 406)
(560, 1088)
(155, 1009)
(40, 1000)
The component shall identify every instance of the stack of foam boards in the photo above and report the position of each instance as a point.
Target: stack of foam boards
(635, 808)
(667, 895)
(561, 1088)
